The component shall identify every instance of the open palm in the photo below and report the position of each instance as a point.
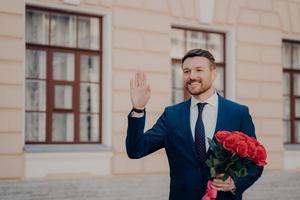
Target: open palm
(139, 90)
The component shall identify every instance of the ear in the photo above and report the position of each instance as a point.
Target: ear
(214, 73)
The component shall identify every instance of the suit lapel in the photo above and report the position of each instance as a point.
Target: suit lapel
(221, 114)
(186, 119)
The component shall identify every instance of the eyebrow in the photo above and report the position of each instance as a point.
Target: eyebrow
(197, 67)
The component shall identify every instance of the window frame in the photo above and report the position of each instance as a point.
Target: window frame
(291, 72)
(218, 64)
(50, 83)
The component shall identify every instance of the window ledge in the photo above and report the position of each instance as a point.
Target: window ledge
(44, 148)
(292, 147)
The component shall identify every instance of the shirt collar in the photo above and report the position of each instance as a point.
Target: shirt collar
(212, 100)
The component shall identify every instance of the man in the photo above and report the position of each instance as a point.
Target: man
(183, 129)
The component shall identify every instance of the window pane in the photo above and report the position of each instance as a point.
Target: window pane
(297, 107)
(177, 95)
(296, 56)
(63, 127)
(89, 68)
(286, 84)
(35, 64)
(63, 66)
(88, 33)
(63, 30)
(37, 27)
(177, 43)
(63, 97)
(219, 82)
(177, 76)
(35, 127)
(286, 107)
(297, 84)
(286, 55)
(35, 95)
(215, 44)
(89, 97)
(195, 40)
(89, 128)
(287, 131)
(297, 131)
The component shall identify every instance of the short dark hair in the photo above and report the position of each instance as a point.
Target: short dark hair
(201, 53)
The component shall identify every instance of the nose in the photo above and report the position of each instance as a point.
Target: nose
(193, 75)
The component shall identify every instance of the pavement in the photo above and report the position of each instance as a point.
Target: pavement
(273, 185)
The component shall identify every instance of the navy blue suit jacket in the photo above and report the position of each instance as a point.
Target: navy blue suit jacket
(172, 131)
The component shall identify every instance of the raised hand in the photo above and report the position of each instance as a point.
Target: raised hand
(139, 90)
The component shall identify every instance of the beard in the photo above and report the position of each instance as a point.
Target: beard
(200, 89)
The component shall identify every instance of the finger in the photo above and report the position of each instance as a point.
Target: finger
(220, 175)
(224, 189)
(213, 187)
(140, 78)
(148, 88)
(217, 188)
(136, 80)
(221, 181)
(221, 185)
(131, 84)
(218, 185)
(217, 181)
(220, 188)
(143, 79)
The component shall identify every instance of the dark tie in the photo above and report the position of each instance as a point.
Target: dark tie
(200, 134)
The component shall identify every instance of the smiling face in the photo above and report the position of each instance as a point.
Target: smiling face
(198, 76)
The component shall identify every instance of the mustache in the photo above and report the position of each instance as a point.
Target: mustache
(193, 80)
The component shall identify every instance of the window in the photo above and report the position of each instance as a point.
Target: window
(182, 40)
(63, 77)
(291, 91)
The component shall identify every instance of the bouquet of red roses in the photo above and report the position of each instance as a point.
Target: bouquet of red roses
(231, 155)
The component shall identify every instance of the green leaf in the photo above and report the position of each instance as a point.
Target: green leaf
(226, 175)
(208, 163)
(229, 165)
(244, 171)
(234, 158)
(215, 161)
(232, 173)
(213, 172)
(212, 144)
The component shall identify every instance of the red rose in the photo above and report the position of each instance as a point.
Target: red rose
(261, 156)
(230, 143)
(254, 141)
(222, 135)
(241, 135)
(251, 148)
(242, 149)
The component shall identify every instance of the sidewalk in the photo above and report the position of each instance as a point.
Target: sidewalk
(277, 185)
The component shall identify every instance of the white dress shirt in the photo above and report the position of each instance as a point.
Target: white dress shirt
(209, 116)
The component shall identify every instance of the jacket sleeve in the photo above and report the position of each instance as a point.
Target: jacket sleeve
(254, 171)
(140, 144)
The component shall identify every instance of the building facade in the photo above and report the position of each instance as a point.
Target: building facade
(65, 67)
